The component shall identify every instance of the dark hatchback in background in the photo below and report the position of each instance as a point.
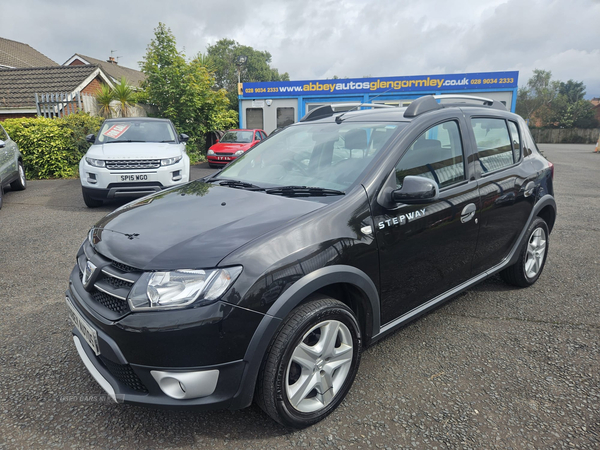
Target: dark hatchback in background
(265, 281)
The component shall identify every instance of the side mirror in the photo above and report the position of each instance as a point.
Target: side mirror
(416, 190)
(2, 143)
(183, 137)
(90, 138)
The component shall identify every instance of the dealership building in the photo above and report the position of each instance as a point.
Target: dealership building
(271, 105)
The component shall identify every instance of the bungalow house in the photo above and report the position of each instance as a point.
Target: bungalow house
(18, 87)
(111, 68)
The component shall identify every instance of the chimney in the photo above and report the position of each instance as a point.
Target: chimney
(111, 60)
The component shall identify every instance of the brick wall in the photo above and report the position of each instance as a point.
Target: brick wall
(77, 62)
(93, 87)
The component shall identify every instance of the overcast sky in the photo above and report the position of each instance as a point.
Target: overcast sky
(320, 39)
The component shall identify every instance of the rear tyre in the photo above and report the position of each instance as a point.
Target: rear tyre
(532, 259)
(20, 184)
(310, 364)
(89, 201)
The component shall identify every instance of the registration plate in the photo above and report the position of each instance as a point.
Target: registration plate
(89, 334)
(134, 177)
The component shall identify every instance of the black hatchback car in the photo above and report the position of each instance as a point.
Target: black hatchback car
(266, 280)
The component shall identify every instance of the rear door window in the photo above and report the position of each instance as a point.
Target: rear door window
(494, 146)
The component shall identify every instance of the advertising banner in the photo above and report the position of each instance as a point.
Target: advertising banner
(382, 85)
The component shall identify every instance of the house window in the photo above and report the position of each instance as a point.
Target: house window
(254, 118)
(285, 117)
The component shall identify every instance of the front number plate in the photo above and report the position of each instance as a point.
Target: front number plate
(134, 177)
(89, 334)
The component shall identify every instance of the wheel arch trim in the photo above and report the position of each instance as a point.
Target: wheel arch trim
(291, 298)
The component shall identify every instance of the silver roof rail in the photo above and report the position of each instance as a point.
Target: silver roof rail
(429, 103)
(329, 110)
(360, 105)
(486, 101)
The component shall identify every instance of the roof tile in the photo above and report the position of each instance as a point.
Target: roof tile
(18, 55)
(19, 86)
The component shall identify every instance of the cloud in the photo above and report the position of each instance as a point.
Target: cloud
(347, 38)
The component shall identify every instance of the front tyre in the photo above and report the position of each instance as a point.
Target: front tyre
(310, 364)
(20, 183)
(530, 264)
(89, 201)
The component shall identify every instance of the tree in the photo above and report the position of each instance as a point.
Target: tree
(572, 90)
(568, 114)
(224, 54)
(535, 99)
(104, 97)
(184, 91)
(123, 94)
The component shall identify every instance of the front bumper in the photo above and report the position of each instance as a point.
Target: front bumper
(143, 357)
(101, 183)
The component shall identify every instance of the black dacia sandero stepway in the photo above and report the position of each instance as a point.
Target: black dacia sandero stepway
(265, 281)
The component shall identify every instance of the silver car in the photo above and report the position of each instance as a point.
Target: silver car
(12, 171)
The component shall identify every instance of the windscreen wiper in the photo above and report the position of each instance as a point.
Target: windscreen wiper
(119, 142)
(239, 185)
(302, 191)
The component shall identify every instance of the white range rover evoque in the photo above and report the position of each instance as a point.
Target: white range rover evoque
(133, 157)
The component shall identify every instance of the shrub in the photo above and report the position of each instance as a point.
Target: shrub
(52, 148)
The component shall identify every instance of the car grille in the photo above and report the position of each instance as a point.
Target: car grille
(110, 302)
(125, 374)
(133, 164)
(224, 154)
(113, 284)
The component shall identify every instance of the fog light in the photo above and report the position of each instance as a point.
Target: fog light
(177, 175)
(187, 385)
(91, 178)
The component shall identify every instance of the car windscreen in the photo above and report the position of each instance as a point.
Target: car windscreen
(135, 131)
(324, 155)
(237, 137)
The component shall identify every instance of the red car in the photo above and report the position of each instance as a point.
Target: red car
(233, 144)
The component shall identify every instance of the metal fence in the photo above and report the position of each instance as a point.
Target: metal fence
(58, 104)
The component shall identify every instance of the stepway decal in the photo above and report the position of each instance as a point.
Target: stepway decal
(430, 83)
(402, 219)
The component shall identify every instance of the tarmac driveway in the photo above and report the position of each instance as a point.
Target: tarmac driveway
(497, 367)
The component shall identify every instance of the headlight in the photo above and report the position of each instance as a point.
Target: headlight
(239, 152)
(180, 288)
(210, 152)
(169, 161)
(95, 162)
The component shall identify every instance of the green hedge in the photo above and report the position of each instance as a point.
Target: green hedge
(52, 148)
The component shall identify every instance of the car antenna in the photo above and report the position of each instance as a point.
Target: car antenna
(338, 119)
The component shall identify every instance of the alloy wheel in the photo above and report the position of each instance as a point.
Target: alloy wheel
(536, 250)
(318, 366)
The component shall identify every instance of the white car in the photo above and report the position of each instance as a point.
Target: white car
(133, 157)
